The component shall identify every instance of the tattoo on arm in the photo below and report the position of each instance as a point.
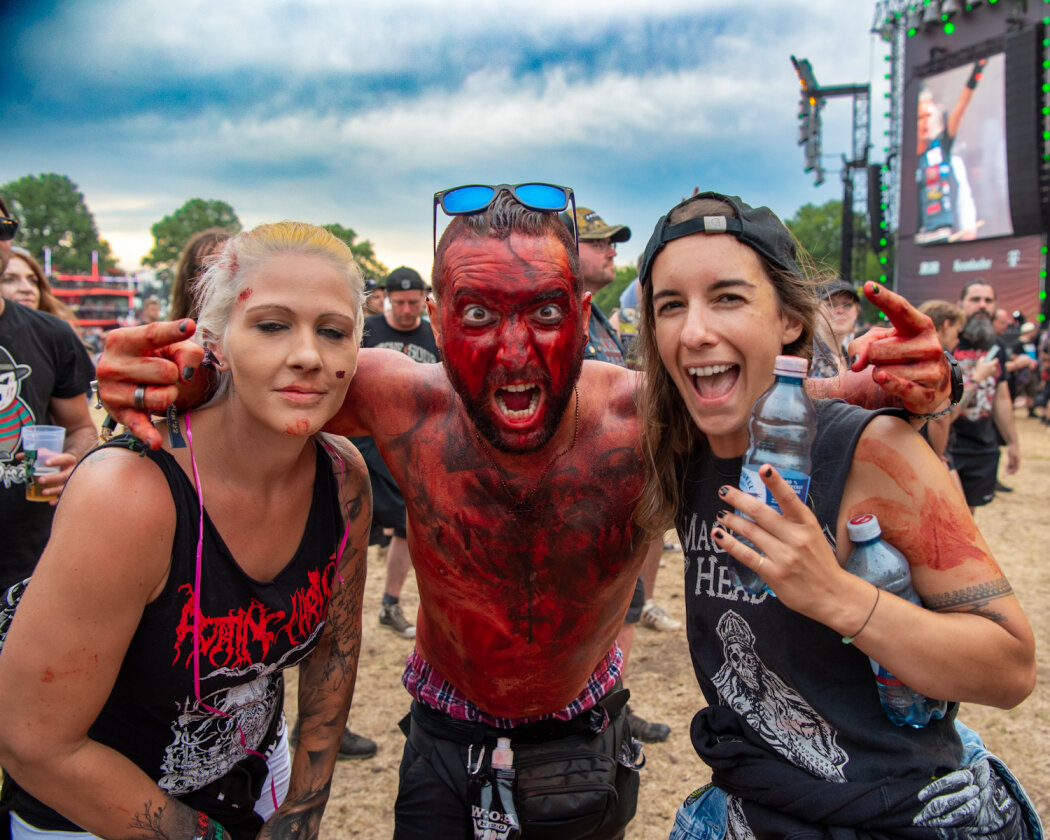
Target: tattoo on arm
(972, 599)
(301, 823)
(163, 822)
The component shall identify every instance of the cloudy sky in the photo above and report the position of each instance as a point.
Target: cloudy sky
(357, 112)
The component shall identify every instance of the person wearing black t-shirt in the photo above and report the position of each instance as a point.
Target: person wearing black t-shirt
(401, 328)
(974, 445)
(44, 376)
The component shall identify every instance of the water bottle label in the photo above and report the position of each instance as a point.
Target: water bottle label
(751, 483)
(886, 679)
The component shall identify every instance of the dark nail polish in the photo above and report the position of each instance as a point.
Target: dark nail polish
(767, 472)
(723, 490)
(183, 326)
(876, 290)
(853, 359)
(721, 514)
(187, 372)
(718, 533)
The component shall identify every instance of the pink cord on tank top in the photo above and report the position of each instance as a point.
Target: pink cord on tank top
(197, 615)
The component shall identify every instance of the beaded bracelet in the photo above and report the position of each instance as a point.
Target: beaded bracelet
(848, 640)
(932, 416)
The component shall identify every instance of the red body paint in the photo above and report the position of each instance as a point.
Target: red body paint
(245, 294)
(517, 608)
(932, 529)
(340, 374)
(49, 676)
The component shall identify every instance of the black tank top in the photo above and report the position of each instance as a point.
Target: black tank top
(812, 698)
(249, 631)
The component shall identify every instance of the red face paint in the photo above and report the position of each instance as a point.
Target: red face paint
(340, 374)
(512, 336)
(300, 427)
(244, 295)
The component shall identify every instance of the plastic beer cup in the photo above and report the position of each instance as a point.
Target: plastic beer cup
(38, 444)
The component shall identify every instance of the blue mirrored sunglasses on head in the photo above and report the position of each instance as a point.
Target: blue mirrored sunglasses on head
(475, 198)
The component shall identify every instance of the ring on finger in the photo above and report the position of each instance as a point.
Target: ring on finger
(761, 560)
(138, 397)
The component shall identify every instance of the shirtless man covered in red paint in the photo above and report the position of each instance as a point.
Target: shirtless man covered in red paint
(519, 488)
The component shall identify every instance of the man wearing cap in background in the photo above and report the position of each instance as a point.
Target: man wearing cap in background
(597, 249)
(401, 328)
(44, 371)
(839, 308)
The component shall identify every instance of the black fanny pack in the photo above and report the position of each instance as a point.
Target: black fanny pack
(570, 780)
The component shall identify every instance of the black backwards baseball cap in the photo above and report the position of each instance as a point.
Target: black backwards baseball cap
(404, 279)
(757, 227)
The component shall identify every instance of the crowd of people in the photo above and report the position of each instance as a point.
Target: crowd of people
(506, 448)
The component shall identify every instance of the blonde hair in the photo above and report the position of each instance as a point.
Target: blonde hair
(668, 430)
(223, 281)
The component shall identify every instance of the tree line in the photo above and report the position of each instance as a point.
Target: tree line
(53, 213)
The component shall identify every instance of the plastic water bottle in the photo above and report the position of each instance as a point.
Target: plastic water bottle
(880, 563)
(783, 425)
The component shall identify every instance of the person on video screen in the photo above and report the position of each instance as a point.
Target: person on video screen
(946, 206)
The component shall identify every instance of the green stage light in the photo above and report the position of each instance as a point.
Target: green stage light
(949, 28)
(882, 278)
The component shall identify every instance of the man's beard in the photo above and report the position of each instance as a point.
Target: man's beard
(480, 409)
(979, 331)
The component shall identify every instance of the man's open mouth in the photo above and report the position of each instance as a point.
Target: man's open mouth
(518, 402)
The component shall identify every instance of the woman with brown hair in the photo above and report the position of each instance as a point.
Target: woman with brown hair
(793, 729)
(24, 282)
(192, 264)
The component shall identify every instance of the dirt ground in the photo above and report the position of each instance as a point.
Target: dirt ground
(1016, 525)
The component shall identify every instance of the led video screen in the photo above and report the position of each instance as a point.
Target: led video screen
(961, 173)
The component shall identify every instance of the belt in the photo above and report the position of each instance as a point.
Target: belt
(438, 724)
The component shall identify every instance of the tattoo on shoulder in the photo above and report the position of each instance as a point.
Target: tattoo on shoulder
(972, 599)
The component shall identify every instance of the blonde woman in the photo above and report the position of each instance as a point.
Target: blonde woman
(141, 679)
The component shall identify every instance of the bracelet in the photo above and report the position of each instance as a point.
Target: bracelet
(933, 416)
(848, 640)
(208, 829)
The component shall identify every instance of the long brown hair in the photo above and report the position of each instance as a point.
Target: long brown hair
(668, 431)
(189, 271)
(48, 301)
